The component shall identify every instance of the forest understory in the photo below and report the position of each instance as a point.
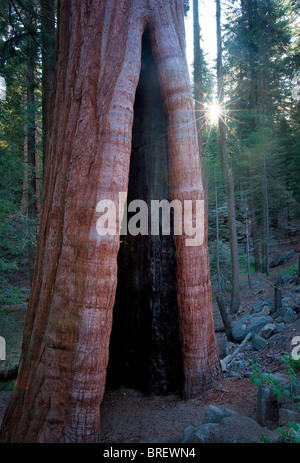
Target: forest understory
(129, 416)
(98, 98)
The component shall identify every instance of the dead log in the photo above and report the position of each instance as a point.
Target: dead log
(277, 297)
(224, 315)
(228, 359)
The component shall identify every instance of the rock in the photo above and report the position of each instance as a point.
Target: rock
(297, 289)
(267, 331)
(292, 387)
(239, 429)
(259, 321)
(287, 415)
(200, 435)
(237, 365)
(284, 279)
(266, 310)
(288, 315)
(267, 408)
(281, 259)
(258, 343)
(230, 348)
(214, 414)
(233, 374)
(187, 433)
(257, 308)
(233, 428)
(249, 323)
(279, 313)
(296, 307)
(286, 302)
(279, 327)
(267, 303)
(239, 330)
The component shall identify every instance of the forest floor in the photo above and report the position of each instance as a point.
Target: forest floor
(128, 416)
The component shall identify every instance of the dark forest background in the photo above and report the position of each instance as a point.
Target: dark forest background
(255, 86)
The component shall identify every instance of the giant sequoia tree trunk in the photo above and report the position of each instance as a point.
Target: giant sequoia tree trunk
(65, 352)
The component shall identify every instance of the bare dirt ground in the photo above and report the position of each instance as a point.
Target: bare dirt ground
(128, 416)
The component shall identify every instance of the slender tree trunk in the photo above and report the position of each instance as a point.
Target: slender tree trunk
(255, 235)
(248, 248)
(37, 165)
(37, 180)
(277, 297)
(198, 72)
(48, 43)
(31, 149)
(24, 202)
(249, 11)
(198, 94)
(235, 295)
(224, 315)
(68, 324)
(218, 237)
(266, 226)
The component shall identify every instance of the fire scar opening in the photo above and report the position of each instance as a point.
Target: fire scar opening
(145, 351)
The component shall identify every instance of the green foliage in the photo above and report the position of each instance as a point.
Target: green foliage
(290, 434)
(12, 225)
(11, 328)
(224, 262)
(243, 263)
(292, 365)
(19, 36)
(7, 387)
(260, 378)
(291, 270)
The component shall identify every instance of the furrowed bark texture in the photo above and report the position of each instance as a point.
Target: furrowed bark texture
(65, 350)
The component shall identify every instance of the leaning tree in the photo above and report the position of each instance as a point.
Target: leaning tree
(121, 85)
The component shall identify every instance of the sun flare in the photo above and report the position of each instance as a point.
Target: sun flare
(214, 112)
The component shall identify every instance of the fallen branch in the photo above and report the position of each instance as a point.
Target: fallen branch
(228, 359)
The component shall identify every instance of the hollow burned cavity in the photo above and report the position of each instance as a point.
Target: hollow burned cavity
(145, 351)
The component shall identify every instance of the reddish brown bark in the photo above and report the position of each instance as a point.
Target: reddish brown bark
(66, 341)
